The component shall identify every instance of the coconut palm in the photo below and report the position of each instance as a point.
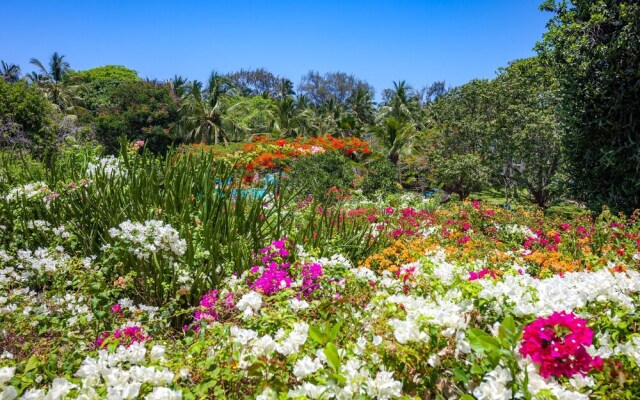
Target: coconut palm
(53, 80)
(400, 102)
(361, 105)
(361, 112)
(395, 136)
(202, 111)
(177, 87)
(10, 72)
(285, 89)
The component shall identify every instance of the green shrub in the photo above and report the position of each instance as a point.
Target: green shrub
(321, 172)
(381, 176)
(461, 174)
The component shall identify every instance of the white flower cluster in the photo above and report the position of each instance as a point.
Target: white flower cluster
(541, 297)
(306, 366)
(442, 312)
(39, 261)
(150, 238)
(296, 338)
(7, 392)
(107, 166)
(249, 303)
(495, 385)
(266, 345)
(109, 370)
(358, 382)
(28, 191)
(127, 304)
(44, 226)
(515, 229)
(77, 306)
(298, 305)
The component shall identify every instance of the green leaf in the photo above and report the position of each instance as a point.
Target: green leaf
(508, 324)
(481, 341)
(32, 364)
(316, 335)
(467, 397)
(460, 375)
(335, 330)
(333, 358)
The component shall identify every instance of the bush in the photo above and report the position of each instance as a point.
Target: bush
(381, 176)
(594, 46)
(461, 174)
(319, 173)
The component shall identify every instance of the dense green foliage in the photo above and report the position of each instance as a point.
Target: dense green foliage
(136, 110)
(97, 86)
(316, 175)
(25, 115)
(381, 176)
(593, 46)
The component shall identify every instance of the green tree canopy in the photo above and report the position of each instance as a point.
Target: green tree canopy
(137, 110)
(27, 107)
(595, 51)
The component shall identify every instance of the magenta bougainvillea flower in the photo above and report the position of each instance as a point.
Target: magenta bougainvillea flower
(125, 336)
(558, 345)
(207, 310)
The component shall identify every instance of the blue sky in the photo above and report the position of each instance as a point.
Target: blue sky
(378, 41)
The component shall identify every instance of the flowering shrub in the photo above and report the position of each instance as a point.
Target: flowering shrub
(265, 154)
(125, 336)
(394, 298)
(149, 238)
(110, 167)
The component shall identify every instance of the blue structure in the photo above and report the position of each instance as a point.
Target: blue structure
(269, 179)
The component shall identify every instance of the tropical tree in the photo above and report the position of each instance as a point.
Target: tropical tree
(25, 112)
(10, 72)
(255, 82)
(137, 110)
(202, 111)
(178, 86)
(395, 136)
(284, 89)
(338, 86)
(400, 102)
(527, 132)
(361, 110)
(95, 87)
(593, 47)
(52, 80)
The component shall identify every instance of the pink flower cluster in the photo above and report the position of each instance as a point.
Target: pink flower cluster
(274, 272)
(127, 336)
(207, 310)
(311, 274)
(481, 274)
(550, 243)
(558, 345)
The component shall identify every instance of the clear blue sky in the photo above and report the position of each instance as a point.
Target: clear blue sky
(378, 41)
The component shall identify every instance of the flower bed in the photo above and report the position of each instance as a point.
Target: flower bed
(456, 301)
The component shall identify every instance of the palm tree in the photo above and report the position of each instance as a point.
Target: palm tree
(361, 110)
(202, 111)
(10, 72)
(400, 102)
(395, 136)
(52, 80)
(285, 89)
(177, 87)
